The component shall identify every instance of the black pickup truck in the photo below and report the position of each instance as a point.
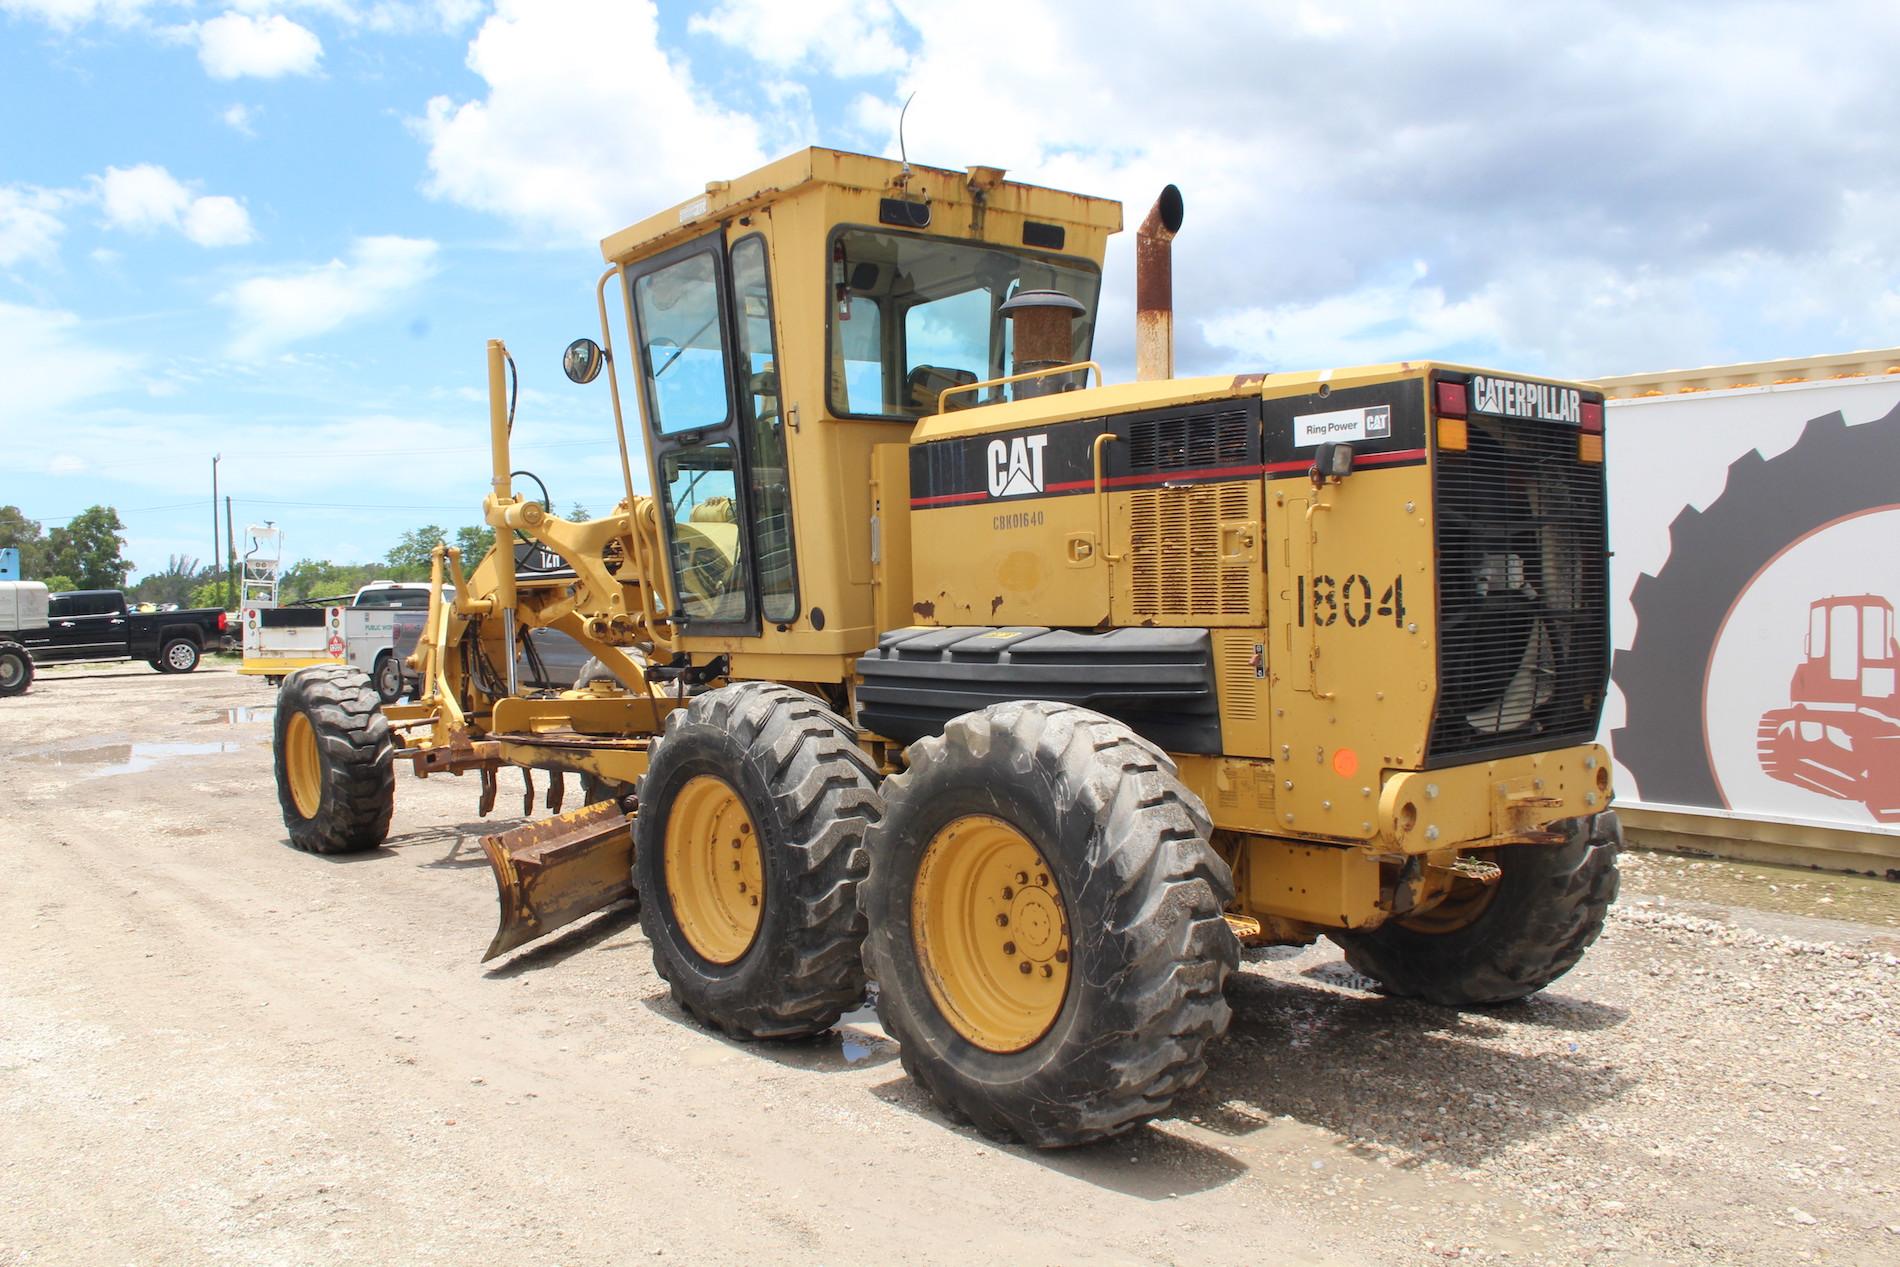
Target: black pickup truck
(94, 625)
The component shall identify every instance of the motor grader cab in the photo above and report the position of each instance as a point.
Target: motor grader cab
(931, 659)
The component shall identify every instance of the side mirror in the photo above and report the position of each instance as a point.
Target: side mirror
(582, 360)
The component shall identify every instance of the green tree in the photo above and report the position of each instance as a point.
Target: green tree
(319, 578)
(58, 584)
(474, 541)
(578, 513)
(172, 585)
(90, 550)
(24, 535)
(206, 594)
(408, 559)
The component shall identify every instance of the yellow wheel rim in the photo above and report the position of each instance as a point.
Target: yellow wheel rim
(304, 763)
(715, 872)
(991, 933)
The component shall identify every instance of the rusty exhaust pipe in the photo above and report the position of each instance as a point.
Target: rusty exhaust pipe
(1154, 287)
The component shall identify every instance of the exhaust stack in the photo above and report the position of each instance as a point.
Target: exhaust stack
(1154, 287)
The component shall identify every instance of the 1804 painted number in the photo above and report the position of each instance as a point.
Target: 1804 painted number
(1351, 597)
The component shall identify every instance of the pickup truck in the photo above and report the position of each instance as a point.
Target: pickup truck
(95, 625)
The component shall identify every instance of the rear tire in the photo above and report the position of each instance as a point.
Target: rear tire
(388, 677)
(336, 778)
(16, 669)
(178, 655)
(1139, 893)
(778, 766)
(1549, 906)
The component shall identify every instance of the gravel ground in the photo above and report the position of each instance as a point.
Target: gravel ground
(216, 1049)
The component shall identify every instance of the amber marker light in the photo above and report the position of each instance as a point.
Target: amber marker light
(1452, 434)
(1345, 763)
(1590, 448)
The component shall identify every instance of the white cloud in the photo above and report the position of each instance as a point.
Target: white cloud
(217, 221)
(239, 118)
(29, 227)
(843, 37)
(275, 310)
(148, 197)
(1405, 319)
(234, 44)
(47, 362)
(1594, 188)
(587, 124)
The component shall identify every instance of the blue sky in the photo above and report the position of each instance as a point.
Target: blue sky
(281, 230)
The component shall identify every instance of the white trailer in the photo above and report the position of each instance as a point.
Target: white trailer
(1755, 517)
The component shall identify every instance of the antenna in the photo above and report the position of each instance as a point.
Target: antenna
(901, 151)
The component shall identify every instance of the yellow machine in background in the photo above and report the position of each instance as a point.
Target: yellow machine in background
(934, 660)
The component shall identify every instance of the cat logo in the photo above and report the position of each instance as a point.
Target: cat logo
(1016, 465)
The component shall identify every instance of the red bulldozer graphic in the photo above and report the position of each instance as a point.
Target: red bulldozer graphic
(1840, 734)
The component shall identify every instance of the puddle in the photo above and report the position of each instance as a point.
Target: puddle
(1854, 899)
(126, 758)
(860, 1037)
(243, 715)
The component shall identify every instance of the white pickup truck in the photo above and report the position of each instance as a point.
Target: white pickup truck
(280, 640)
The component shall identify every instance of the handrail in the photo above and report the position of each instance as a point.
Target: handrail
(948, 392)
(1101, 501)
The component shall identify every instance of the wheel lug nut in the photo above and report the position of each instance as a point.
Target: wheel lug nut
(1008, 893)
(742, 886)
(1062, 956)
(755, 899)
(1002, 921)
(1047, 971)
(1022, 877)
(1025, 967)
(1009, 947)
(735, 864)
(1043, 880)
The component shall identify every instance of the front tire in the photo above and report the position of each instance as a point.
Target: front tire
(16, 669)
(178, 655)
(1550, 904)
(749, 848)
(335, 763)
(1046, 928)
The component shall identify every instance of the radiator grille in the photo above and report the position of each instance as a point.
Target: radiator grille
(1239, 682)
(1174, 549)
(1191, 442)
(1523, 598)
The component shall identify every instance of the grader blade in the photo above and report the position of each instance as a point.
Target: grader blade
(549, 874)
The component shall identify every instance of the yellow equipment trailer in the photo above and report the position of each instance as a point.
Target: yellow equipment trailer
(932, 660)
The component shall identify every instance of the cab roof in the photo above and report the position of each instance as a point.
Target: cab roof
(862, 173)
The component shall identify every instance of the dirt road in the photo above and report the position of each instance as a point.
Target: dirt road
(214, 1049)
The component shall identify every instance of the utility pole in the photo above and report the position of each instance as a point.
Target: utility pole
(214, 509)
(230, 567)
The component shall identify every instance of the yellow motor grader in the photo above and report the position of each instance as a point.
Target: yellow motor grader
(934, 661)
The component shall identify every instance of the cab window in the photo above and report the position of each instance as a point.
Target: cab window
(765, 434)
(702, 511)
(682, 345)
(913, 315)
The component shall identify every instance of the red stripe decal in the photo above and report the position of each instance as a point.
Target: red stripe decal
(1380, 459)
(948, 499)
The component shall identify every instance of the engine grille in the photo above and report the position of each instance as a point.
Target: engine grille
(1174, 552)
(1523, 595)
(1191, 441)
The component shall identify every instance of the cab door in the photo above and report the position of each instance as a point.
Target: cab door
(684, 333)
